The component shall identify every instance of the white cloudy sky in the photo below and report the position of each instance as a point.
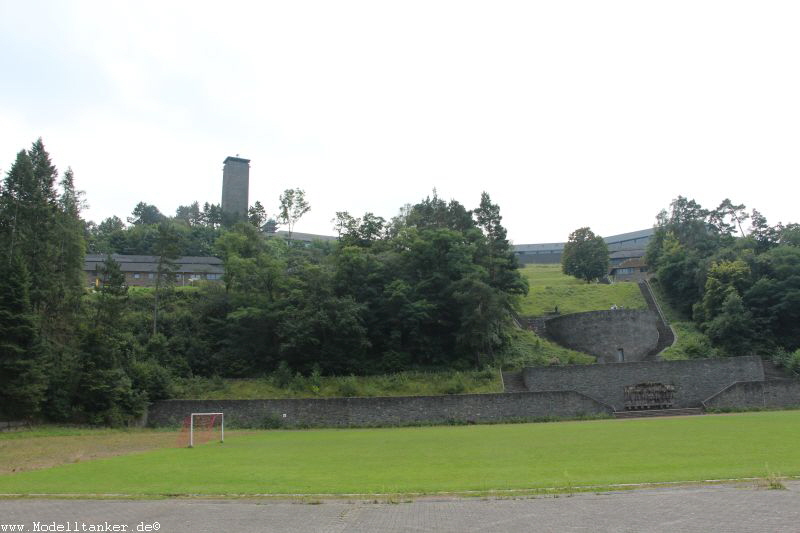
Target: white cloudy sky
(569, 113)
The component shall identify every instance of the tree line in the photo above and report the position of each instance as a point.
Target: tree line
(434, 287)
(740, 286)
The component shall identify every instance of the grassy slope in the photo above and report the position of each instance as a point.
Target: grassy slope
(436, 459)
(550, 288)
(398, 384)
(690, 342)
(528, 349)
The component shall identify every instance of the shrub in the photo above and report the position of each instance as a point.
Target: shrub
(348, 387)
(271, 421)
(788, 360)
(455, 385)
(282, 375)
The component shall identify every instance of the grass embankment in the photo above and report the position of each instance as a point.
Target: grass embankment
(528, 349)
(549, 288)
(398, 384)
(444, 459)
(690, 342)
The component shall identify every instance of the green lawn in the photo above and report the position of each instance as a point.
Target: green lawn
(550, 288)
(440, 459)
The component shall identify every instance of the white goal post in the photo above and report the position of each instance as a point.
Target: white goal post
(221, 425)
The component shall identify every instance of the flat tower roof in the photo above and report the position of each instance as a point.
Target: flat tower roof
(237, 159)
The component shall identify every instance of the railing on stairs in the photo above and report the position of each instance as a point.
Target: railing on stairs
(666, 335)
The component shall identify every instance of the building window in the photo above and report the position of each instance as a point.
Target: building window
(136, 275)
(213, 276)
(151, 275)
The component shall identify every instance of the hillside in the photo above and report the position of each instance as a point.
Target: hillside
(549, 288)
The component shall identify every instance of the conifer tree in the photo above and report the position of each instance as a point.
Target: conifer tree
(167, 248)
(22, 381)
(67, 291)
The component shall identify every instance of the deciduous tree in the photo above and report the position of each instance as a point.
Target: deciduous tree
(585, 255)
(292, 208)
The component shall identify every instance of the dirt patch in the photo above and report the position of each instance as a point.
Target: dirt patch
(20, 454)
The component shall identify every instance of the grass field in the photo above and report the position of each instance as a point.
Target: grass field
(550, 288)
(443, 459)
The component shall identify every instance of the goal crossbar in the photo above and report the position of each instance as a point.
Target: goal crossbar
(221, 426)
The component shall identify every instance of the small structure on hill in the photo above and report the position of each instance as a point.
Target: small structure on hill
(629, 270)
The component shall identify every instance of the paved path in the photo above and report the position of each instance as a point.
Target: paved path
(700, 509)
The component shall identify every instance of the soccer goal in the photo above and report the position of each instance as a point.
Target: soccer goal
(201, 427)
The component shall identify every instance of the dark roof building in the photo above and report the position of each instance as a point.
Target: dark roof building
(140, 270)
(302, 237)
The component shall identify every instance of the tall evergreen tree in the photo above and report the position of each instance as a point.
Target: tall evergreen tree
(40, 247)
(70, 279)
(497, 256)
(167, 248)
(22, 379)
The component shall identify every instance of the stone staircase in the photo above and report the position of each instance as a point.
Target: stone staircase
(535, 324)
(651, 413)
(513, 382)
(666, 337)
(772, 371)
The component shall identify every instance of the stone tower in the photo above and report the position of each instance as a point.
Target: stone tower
(235, 186)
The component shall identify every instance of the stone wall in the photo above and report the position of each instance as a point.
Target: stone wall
(604, 333)
(384, 411)
(695, 380)
(745, 394)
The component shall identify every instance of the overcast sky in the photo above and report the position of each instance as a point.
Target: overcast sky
(568, 113)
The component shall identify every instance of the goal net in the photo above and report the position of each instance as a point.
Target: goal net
(202, 427)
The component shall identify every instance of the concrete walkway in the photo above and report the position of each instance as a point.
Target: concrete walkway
(704, 509)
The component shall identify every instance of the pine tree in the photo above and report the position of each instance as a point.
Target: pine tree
(167, 248)
(22, 381)
(113, 293)
(64, 302)
(40, 247)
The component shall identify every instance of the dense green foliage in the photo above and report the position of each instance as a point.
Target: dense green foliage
(283, 384)
(438, 459)
(741, 289)
(435, 288)
(585, 255)
(690, 342)
(41, 243)
(550, 290)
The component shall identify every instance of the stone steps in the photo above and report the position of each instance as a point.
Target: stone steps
(651, 413)
(772, 371)
(513, 382)
(666, 337)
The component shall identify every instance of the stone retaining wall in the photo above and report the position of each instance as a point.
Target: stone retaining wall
(747, 394)
(604, 333)
(384, 411)
(694, 380)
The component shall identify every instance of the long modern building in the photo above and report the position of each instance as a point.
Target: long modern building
(140, 270)
(621, 248)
